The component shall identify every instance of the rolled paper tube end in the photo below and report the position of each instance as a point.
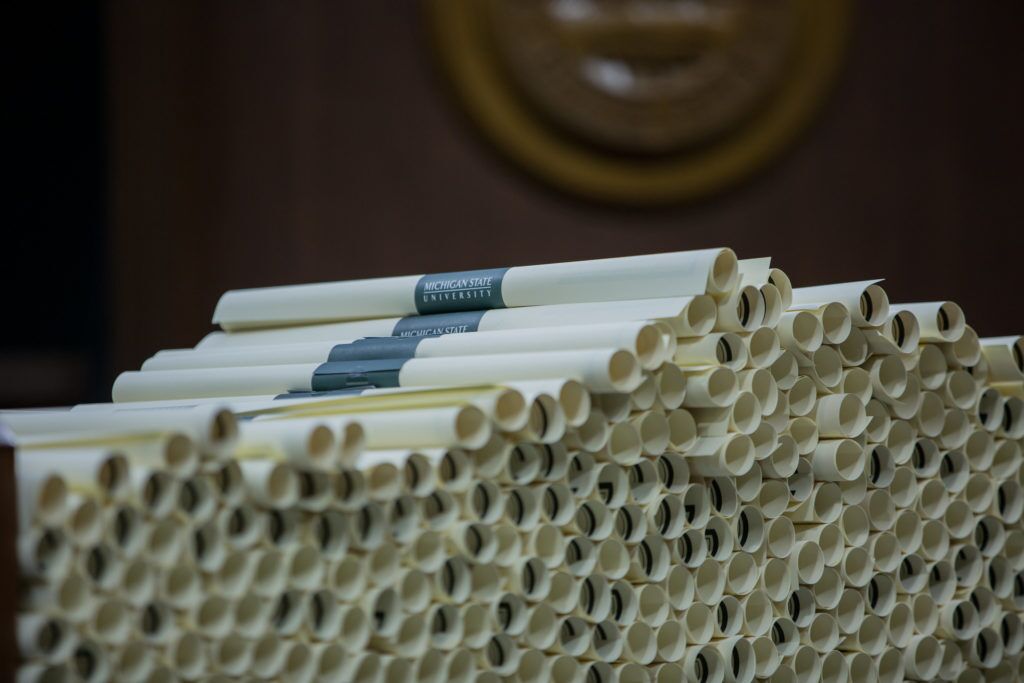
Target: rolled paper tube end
(222, 431)
(731, 352)
(613, 407)
(840, 415)
(646, 394)
(510, 410)
(625, 444)
(649, 347)
(856, 566)
(671, 386)
(966, 351)
(624, 374)
(857, 382)
(803, 395)
(771, 299)
(551, 425)
(698, 317)
(50, 500)
(879, 422)
(785, 370)
(699, 623)
(321, 444)
(44, 552)
(856, 349)
(472, 427)
(669, 340)
(575, 401)
(838, 460)
(827, 367)
(873, 305)
(801, 482)
(931, 366)
(836, 323)
(742, 311)
(773, 497)
(716, 388)
(763, 347)
(724, 272)
(704, 663)
(781, 281)
(803, 330)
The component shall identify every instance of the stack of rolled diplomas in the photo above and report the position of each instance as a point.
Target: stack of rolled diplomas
(673, 467)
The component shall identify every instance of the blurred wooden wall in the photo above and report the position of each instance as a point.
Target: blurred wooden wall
(265, 143)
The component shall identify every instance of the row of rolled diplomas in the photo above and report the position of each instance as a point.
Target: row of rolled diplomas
(647, 469)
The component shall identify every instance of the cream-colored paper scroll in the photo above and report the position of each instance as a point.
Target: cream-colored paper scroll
(617, 279)
(503, 404)
(213, 426)
(866, 301)
(940, 321)
(598, 370)
(772, 284)
(1005, 356)
(686, 316)
(426, 427)
(641, 338)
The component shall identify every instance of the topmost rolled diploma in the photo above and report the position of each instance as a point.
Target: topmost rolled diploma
(681, 273)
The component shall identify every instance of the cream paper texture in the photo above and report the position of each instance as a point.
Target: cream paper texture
(831, 502)
(668, 309)
(633, 336)
(599, 370)
(614, 279)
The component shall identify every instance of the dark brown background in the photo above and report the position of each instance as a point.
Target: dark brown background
(262, 143)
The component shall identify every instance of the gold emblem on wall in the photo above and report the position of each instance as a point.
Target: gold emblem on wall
(640, 101)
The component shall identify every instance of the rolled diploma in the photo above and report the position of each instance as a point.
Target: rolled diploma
(211, 425)
(359, 398)
(713, 388)
(939, 321)
(838, 460)
(422, 428)
(687, 316)
(840, 415)
(639, 337)
(80, 467)
(865, 300)
(271, 354)
(211, 382)
(801, 330)
(504, 405)
(743, 310)
(611, 370)
(899, 334)
(307, 442)
(1005, 356)
(572, 396)
(721, 456)
(781, 281)
(613, 279)
(396, 457)
(725, 348)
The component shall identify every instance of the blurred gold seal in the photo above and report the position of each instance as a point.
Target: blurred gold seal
(640, 101)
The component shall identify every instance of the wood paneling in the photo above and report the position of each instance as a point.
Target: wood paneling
(267, 143)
